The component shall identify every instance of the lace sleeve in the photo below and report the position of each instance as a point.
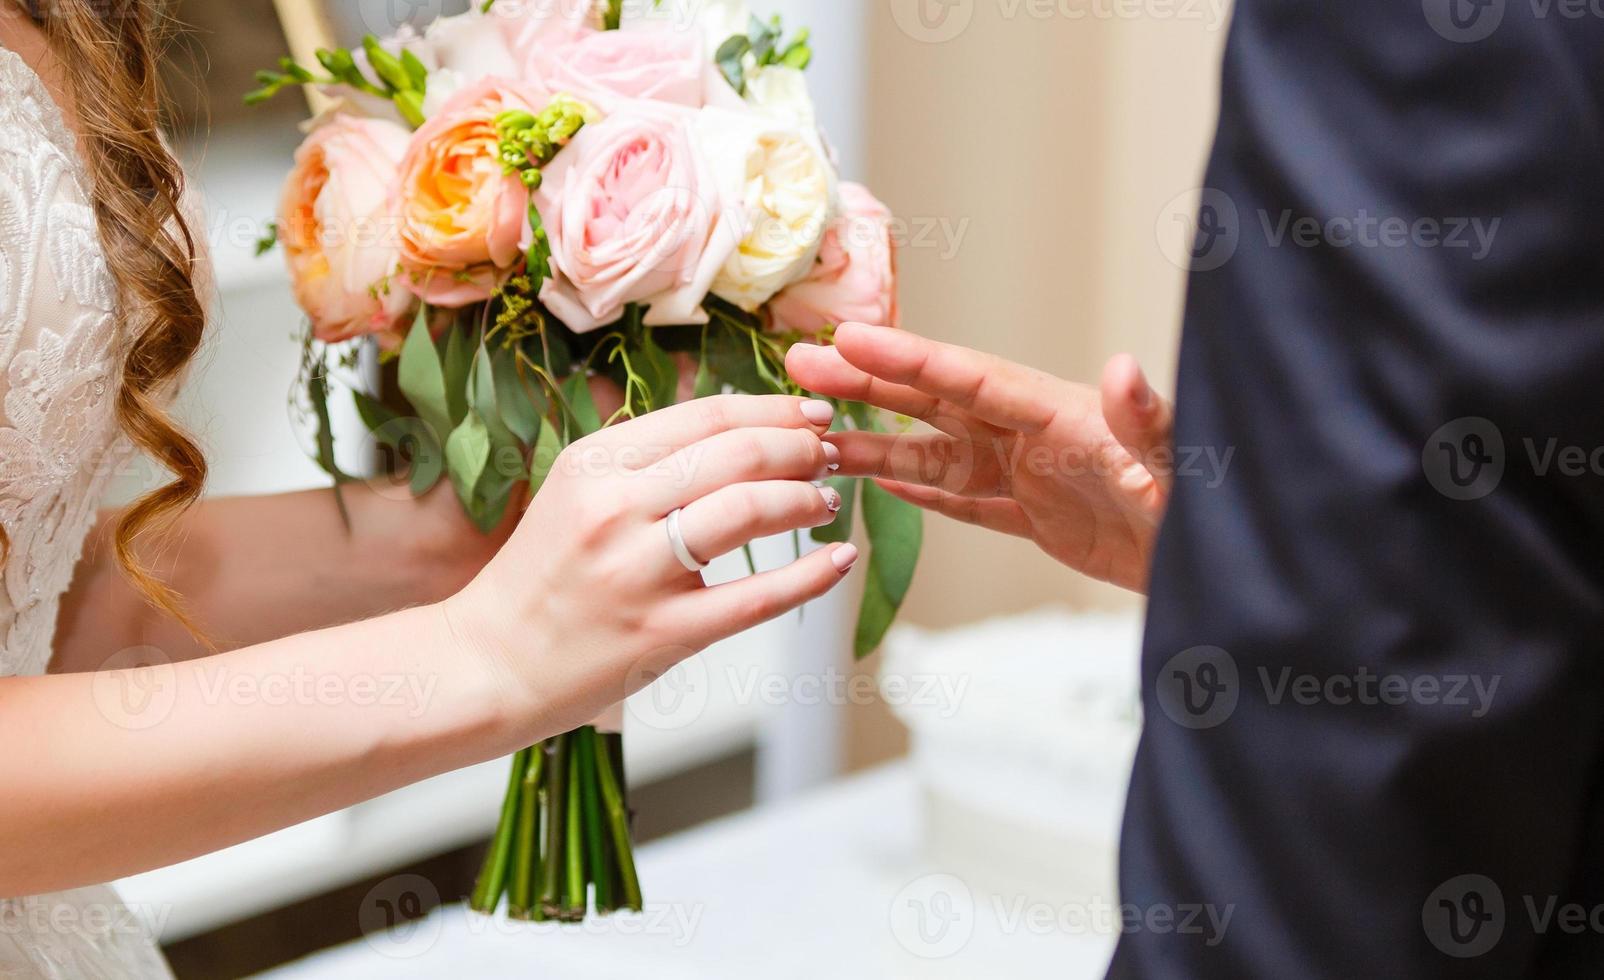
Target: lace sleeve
(58, 340)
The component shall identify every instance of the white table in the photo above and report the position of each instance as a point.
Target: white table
(833, 886)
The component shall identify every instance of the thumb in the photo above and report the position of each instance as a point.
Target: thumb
(1142, 421)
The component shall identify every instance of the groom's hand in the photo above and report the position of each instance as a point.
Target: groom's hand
(1085, 474)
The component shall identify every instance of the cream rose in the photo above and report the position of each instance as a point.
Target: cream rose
(334, 224)
(462, 217)
(785, 189)
(855, 278)
(634, 215)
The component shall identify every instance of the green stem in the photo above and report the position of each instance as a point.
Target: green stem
(576, 903)
(618, 827)
(492, 881)
(526, 853)
(551, 871)
(601, 871)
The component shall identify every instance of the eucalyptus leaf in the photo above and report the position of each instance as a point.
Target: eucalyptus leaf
(896, 535)
(661, 373)
(583, 416)
(422, 379)
(467, 457)
(548, 446)
(482, 388)
(410, 439)
(456, 365)
(522, 402)
(729, 355)
(730, 59)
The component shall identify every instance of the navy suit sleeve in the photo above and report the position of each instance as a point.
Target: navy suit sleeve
(1373, 674)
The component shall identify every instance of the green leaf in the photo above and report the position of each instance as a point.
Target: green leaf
(456, 366)
(423, 379)
(896, 535)
(467, 457)
(763, 38)
(522, 402)
(730, 61)
(841, 529)
(482, 388)
(409, 438)
(660, 372)
(547, 448)
(729, 352)
(583, 417)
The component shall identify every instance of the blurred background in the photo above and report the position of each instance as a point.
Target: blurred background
(896, 818)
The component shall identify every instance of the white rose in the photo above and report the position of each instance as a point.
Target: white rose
(464, 49)
(779, 174)
(782, 91)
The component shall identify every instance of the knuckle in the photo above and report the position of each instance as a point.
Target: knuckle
(715, 412)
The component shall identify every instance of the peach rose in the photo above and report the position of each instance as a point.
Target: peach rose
(855, 278)
(606, 68)
(634, 215)
(461, 215)
(334, 224)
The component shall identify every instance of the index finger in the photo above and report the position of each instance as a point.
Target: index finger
(994, 390)
(678, 426)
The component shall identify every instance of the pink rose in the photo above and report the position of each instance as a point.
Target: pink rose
(855, 278)
(461, 215)
(334, 223)
(634, 215)
(607, 68)
(529, 24)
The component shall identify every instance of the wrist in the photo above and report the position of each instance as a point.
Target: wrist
(480, 651)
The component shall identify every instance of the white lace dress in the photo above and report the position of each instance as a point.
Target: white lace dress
(59, 446)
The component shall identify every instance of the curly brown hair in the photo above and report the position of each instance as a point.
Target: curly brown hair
(108, 50)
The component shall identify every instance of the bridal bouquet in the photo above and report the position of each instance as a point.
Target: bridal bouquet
(532, 195)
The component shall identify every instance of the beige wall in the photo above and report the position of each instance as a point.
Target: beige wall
(1057, 144)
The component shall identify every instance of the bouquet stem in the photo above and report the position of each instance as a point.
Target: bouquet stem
(564, 830)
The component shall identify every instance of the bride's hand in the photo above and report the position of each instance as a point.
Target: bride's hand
(1084, 473)
(587, 602)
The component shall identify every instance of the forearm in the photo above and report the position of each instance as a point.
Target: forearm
(257, 569)
(114, 773)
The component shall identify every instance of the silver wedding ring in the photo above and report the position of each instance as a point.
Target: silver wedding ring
(676, 540)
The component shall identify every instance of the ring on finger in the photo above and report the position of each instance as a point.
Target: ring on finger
(682, 551)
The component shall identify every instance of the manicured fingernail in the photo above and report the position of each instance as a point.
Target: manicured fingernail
(832, 456)
(818, 412)
(832, 499)
(844, 557)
